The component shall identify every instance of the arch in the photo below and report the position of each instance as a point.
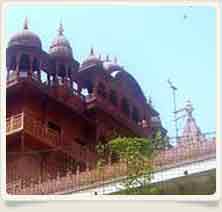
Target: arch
(24, 64)
(62, 70)
(35, 65)
(89, 86)
(101, 90)
(125, 107)
(113, 98)
(12, 65)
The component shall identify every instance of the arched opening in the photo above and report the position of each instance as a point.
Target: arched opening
(12, 65)
(101, 90)
(89, 86)
(43, 76)
(113, 98)
(125, 106)
(35, 65)
(74, 85)
(135, 115)
(62, 70)
(24, 64)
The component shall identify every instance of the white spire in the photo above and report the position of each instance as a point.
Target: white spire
(25, 23)
(61, 29)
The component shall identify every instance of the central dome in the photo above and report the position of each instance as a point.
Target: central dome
(60, 47)
(25, 38)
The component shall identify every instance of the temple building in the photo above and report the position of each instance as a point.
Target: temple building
(59, 109)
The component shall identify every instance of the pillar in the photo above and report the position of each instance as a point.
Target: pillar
(18, 56)
(39, 71)
(48, 79)
(31, 59)
(66, 75)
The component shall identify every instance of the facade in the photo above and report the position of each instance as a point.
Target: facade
(58, 110)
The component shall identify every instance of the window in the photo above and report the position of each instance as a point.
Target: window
(62, 70)
(13, 63)
(24, 64)
(35, 65)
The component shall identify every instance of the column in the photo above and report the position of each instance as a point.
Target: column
(55, 79)
(66, 75)
(48, 79)
(39, 71)
(18, 56)
(31, 66)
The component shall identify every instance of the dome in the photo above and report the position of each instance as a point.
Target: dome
(60, 46)
(111, 66)
(25, 38)
(91, 59)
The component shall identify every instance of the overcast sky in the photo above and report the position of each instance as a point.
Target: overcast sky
(152, 43)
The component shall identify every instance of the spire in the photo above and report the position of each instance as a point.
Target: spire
(25, 23)
(91, 51)
(61, 29)
(191, 128)
(189, 109)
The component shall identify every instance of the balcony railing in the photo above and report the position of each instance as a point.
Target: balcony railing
(14, 123)
(48, 136)
(194, 151)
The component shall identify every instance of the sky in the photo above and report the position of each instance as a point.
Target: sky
(153, 43)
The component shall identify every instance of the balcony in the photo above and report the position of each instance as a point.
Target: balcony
(49, 137)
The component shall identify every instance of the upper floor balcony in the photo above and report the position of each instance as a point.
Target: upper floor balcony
(45, 135)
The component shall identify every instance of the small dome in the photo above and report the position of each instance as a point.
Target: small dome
(60, 46)
(91, 59)
(111, 66)
(25, 38)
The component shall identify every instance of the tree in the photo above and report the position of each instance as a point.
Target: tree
(137, 154)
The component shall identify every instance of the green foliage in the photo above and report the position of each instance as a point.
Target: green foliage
(137, 153)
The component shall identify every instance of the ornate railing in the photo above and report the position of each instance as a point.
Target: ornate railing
(192, 151)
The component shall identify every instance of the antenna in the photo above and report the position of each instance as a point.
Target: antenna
(174, 89)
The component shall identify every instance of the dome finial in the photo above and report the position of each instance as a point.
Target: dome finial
(25, 23)
(91, 51)
(61, 29)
